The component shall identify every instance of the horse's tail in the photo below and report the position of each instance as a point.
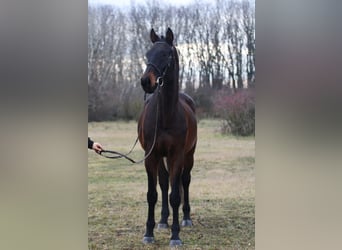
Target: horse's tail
(181, 191)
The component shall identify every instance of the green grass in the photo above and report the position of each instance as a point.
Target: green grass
(222, 192)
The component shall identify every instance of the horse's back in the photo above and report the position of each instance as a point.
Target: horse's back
(189, 107)
(188, 100)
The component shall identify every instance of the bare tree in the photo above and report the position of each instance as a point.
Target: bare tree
(230, 42)
(105, 55)
(249, 29)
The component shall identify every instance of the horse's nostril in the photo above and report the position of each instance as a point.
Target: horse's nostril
(144, 81)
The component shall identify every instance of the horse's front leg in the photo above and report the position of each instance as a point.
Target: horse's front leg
(175, 199)
(152, 196)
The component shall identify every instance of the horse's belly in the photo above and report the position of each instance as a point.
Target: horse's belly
(181, 144)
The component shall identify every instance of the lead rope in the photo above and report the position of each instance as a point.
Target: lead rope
(117, 155)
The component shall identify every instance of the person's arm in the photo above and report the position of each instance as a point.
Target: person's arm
(90, 143)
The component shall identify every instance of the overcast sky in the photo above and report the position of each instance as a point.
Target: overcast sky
(128, 2)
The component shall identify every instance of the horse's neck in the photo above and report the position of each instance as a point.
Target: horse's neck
(168, 102)
(169, 92)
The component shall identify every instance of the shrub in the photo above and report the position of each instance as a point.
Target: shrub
(237, 111)
(102, 104)
(131, 103)
(203, 101)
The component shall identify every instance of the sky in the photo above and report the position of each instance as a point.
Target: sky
(123, 3)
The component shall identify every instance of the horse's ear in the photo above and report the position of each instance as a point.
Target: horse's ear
(154, 37)
(169, 36)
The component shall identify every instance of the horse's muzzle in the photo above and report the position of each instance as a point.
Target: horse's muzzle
(147, 85)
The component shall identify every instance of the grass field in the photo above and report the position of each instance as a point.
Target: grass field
(222, 192)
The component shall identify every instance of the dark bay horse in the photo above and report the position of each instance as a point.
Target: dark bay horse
(167, 131)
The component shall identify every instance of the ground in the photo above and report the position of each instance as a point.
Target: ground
(222, 192)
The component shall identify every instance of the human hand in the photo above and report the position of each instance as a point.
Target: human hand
(97, 147)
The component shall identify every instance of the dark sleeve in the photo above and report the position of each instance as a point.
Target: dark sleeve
(90, 143)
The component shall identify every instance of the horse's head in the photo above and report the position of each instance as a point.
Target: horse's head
(159, 59)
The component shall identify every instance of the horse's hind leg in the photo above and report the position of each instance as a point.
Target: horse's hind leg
(164, 186)
(186, 178)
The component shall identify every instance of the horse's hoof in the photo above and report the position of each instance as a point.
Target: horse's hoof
(174, 243)
(148, 240)
(186, 223)
(163, 226)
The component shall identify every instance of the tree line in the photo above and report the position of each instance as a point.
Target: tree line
(216, 44)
